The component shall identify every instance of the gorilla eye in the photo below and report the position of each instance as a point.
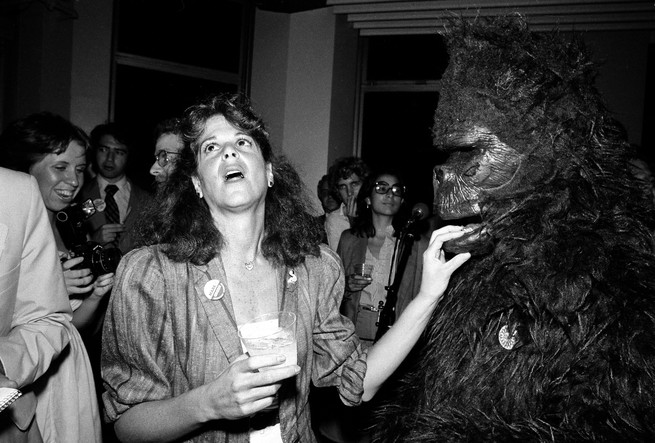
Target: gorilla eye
(470, 172)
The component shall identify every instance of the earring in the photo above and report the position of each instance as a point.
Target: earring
(199, 192)
(270, 183)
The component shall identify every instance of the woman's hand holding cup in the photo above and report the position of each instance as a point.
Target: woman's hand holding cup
(360, 278)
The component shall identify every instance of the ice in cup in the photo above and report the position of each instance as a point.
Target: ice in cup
(364, 269)
(273, 333)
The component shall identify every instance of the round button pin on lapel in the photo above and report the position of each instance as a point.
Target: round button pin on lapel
(214, 290)
(99, 204)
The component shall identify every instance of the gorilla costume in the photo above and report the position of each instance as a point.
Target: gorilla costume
(548, 332)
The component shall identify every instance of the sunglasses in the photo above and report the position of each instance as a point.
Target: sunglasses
(384, 187)
(162, 157)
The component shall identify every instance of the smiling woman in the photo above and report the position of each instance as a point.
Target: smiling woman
(52, 150)
(59, 176)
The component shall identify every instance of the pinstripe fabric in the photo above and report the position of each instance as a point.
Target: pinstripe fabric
(163, 337)
(111, 211)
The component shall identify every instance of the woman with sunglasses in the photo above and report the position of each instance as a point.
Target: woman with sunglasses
(372, 240)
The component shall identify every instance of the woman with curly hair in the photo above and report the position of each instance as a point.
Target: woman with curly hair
(231, 239)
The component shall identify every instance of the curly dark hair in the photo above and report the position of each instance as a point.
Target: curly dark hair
(183, 223)
(363, 223)
(171, 125)
(344, 168)
(27, 140)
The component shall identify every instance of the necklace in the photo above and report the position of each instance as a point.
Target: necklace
(250, 264)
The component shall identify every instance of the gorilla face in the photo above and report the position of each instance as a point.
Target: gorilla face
(479, 167)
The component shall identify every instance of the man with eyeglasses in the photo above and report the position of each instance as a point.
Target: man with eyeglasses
(168, 144)
(346, 176)
(123, 199)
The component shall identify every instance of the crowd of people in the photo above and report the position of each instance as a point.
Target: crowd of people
(110, 331)
(118, 322)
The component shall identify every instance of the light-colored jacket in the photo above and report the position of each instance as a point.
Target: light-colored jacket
(34, 308)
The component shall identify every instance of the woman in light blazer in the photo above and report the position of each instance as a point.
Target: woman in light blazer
(34, 310)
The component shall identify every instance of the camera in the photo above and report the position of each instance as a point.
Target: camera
(70, 224)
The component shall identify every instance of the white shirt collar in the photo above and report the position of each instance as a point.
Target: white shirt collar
(102, 183)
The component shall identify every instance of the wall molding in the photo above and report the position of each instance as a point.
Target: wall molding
(387, 17)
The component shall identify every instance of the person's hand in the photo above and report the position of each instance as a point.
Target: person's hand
(351, 206)
(108, 233)
(103, 285)
(355, 282)
(78, 281)
(247, 386)
(436, 270)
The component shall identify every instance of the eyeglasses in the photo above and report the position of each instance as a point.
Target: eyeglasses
(384, 187)
(162, 157)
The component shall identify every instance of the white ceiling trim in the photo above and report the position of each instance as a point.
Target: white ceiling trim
(381, 17)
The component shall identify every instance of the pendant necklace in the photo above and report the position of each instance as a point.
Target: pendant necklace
(250, 264)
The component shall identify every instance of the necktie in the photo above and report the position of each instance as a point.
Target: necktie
(111, 210)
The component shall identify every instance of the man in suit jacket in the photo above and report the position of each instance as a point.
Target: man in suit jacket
(111, 151)
(34, 308)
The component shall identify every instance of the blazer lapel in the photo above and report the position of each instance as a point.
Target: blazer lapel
(211, 288)
(289, 391)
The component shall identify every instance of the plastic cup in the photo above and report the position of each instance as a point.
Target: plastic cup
(273, 333)
(364, 270)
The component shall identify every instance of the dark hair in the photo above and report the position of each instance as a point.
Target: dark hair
(344, 168)
(323, 179)
(333, 193)
(168, 126)
(183, 222)
(28, 140)
(363, 222)
(116, 130)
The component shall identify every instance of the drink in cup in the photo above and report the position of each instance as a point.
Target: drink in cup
(273, 333)
(364, 269)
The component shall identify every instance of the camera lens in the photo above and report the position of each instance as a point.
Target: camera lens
(105, 260)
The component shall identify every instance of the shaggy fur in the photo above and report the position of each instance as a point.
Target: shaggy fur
(565, 260)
